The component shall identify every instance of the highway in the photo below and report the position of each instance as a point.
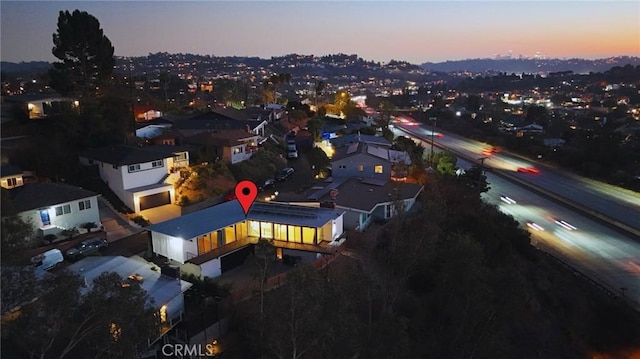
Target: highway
(616, 205)
(607, 257)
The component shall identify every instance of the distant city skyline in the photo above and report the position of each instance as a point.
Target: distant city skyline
(412, 31)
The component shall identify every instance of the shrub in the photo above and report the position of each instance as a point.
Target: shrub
(49, 238)
(90, 225)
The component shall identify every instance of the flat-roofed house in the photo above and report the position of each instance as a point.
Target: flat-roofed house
(213, 240)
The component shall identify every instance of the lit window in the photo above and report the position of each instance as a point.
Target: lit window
(360, 168)
(237, 150)
(378, 168)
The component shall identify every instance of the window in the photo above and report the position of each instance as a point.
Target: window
(86, 204)
(266, 230)
(90, 161)
(342, 167)
(360, 168)
(308, 235)
(133, 168)
(237, 150)
(378, 169)
(254, 229)
(388, 211)
(60, 210)
(12, 182)
(180, 156)
(155, 164)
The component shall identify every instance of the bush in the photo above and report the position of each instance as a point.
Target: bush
(89, 226)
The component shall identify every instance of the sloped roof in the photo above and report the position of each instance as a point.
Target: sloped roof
(9, 170)
(120, 155)
(40, 195)
(221, 138)
(160, 288)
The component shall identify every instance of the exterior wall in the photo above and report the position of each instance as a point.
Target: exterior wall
(170, 247)
(338, 227)
(368, 162)
(238, 157)
(145, 176)
(175, 306)
(352, 219)
(5, 182)
(212, 268)
(75, 218)
(173, 162)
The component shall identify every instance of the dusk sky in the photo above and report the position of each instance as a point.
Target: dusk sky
(414, 31)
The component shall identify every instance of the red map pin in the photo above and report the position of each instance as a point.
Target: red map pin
(246, 193)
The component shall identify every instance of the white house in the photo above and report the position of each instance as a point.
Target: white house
(165, 288)
(11, 176)
(137, 174)
(213, 240)
(41, 106)
(54, 207)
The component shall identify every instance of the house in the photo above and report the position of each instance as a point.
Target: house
(54, 207)
(365, 200)
(232, 146)
(219, 121)
(39, 106)
(137, 175)
(211, 241)
(368, 160)
(346, 140)
(164, 287)
(145, 113)
(10, 177)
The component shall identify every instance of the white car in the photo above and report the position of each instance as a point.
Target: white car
(292, 154)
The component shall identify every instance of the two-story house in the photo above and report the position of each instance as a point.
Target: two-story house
(137, 175)
(231, 146)
(363, 160)
(53, 207)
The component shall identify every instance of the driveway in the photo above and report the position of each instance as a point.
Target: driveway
(162, 213)
(303, 174)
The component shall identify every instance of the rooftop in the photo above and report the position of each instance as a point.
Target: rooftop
(120, 155)
(159, 287)
(9, 170)
(366, 194)
(222, 138)
(228, 213)
(354, 138)
(39, 195)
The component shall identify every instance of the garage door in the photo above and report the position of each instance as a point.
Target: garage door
(155, 200)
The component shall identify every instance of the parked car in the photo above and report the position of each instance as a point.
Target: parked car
(291, 145)
(47, 260)
(284, 174)
(270, 183)
(292, 154)
(87, 247)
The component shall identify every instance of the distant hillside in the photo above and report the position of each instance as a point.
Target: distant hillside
(32, 66)
(531, 65)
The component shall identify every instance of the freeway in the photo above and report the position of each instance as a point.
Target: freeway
(615, 205)
(605, 256)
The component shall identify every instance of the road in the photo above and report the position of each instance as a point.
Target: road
(607, 257)
(618, 205)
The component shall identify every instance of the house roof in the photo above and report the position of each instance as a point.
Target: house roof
(169, 150)
(215, 121)
(228, 213)
(39, 195)
(123, 155)
(226, 138)
(365, 195)
(9, 170)
(34, 97)
(361, 148)
(354, 137)
(245, 114)
(160, 288)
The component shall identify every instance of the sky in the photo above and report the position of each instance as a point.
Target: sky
(414, 31)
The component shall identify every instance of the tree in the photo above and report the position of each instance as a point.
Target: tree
(86, 55)
(385, 109)
(315, 128)
(16, 236)
(109, 320)
(319, 88)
